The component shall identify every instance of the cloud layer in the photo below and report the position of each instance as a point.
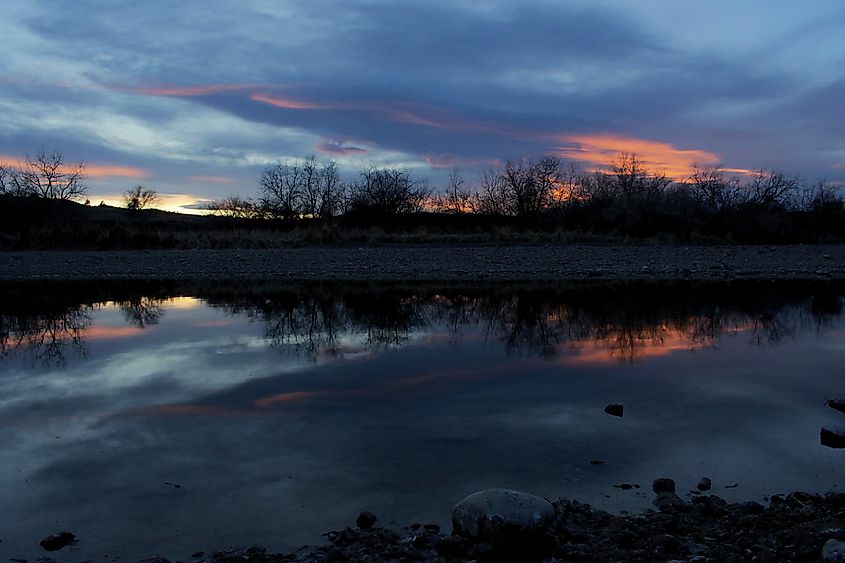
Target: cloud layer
(186, 96)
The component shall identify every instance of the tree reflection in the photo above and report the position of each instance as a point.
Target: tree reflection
(621, 321)
(142, 311)
(48, 336)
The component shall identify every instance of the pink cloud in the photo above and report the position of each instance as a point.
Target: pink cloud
(337, 147)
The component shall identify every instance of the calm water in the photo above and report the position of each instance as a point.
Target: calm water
(283, 411)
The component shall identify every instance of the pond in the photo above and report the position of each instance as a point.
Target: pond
(168, 418)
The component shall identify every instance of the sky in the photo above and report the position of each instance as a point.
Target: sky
(194, 99)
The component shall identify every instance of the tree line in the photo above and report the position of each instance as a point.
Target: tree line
(548, 194)
(626, 198)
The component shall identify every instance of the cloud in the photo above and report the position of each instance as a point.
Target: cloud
(600, 149)
(92, 170)
(472, 84)
(201, 205)
(337, 147)
(213, 179)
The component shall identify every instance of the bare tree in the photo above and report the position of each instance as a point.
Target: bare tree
(773, 188)
(333, 196)
(456, 198)
(633, 181)
(302, 189)
(46, 175)
(522, 188)
(821, 197)
(710, 186)
(140, 197)
(388, 191)
(491, 196)
(6, 184)
(234, 206)
(281, 190)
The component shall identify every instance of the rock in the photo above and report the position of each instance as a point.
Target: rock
(663, 485)
(492, 511)
(836, 404)
(614, 409)
(366, 520)
(704, 485)
(669, 502)
(833, 551)
(627, 486)
(832, 437)
(58, 541)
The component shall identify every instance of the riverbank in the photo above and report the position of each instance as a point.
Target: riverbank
(421, 263)
(795, 527)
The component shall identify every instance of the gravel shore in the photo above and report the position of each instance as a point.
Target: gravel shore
(400, 263)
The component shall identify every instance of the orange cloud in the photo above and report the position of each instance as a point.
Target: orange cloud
(600, 149)
(289, 103)
(107, 171)
(91, 170)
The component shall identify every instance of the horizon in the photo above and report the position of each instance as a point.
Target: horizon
(195, 108)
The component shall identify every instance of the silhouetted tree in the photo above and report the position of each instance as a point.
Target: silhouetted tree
(712, 188)
(6, 185)
(387, 191)
(140, 197)
(47, 176)
(301, 189)
(773, 189)
(234, 206)
(456, 197)
(521, 188)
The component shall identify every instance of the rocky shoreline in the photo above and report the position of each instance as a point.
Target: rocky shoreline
(795, 527)
(430, 262)
(508, 526)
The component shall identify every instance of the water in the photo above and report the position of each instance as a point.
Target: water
(282, 411)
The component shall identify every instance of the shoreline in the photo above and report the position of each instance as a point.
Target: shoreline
(446, 263)
(790, 527)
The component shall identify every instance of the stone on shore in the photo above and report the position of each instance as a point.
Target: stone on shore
(833, 551)
(832, 437)
(490, 512)
(366, 520)
(663, 485)
(614, 409)
(58, 541)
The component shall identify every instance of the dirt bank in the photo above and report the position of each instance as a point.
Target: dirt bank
(387, 263)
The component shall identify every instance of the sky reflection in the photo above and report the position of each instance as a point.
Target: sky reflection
(284, 411)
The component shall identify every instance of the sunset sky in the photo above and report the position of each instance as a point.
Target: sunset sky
(194, 99)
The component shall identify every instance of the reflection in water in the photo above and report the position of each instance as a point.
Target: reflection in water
(622, 320)
(619, 322)
(49, 335)
(142, 311)
(328, 399)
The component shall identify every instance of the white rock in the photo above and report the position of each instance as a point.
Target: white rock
(833, 551)
(487, 512)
